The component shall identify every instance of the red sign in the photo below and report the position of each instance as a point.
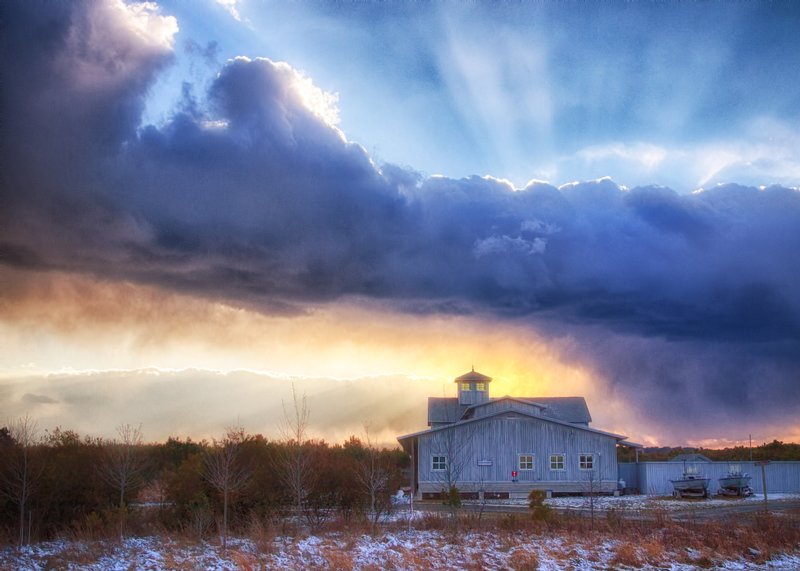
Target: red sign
(513, 473)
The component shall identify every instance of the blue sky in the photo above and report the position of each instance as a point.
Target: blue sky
(329, 191)
(677, 94)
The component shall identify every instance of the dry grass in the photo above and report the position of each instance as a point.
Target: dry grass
(261, 531)
(339, 559)
(627, 554)
(653, 550)
(78, 554)
(516, 541)
(524, 560)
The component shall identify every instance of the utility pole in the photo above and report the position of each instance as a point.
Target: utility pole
(751, 446)
(763, 464)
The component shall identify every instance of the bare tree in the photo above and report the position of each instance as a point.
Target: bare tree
(481, 493)
(373, 474)
(590, 487)
(455, 444)
(225, 471)
(124, 462)
(296, 462)
(19, 475)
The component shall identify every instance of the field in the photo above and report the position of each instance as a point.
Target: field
(437, 541)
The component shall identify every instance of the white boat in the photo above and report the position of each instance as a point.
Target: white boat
(735, 483)
(690, 485)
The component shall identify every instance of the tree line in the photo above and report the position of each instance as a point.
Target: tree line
(773, 451)
(59, 482)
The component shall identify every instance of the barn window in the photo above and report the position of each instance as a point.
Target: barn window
(465, 387)
(557, 462)
(480, 386)
(526, 461)
(438, 463)
(586, 462)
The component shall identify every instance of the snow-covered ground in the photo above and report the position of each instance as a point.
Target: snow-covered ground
(641, 503)
(412, 550)
(648, 503)
(406, 548)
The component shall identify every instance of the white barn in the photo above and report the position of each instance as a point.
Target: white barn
(505, 447)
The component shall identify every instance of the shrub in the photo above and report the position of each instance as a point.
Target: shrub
(539, 510)
(453, 498)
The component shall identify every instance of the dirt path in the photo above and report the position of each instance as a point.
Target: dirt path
(690, 514)
(723, 512)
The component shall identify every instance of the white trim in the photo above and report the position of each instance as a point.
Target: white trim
(592, 454)
(434, 462)
(563, 462)
(533, 462)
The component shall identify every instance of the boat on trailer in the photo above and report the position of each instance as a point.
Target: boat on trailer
(690, 485)
(735, 483)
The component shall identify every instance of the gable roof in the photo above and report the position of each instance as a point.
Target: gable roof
(569, 409)
(475, 411)
(460, 423)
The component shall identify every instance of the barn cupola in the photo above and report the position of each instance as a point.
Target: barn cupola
(473, 388)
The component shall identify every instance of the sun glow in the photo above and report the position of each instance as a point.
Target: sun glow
(321, 103)
(150, 328)
(150, 25)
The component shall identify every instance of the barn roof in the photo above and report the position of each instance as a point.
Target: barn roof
(445, 409)
(618, 437)
(568, 409)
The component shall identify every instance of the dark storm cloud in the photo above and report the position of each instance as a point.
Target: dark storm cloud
(251, 197)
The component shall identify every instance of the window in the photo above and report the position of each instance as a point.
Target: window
(586, 462)
(557, 462)
(465, 386)
(480, 386)
(438, 463)
(526, 461)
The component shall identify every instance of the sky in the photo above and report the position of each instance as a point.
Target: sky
(203, 205)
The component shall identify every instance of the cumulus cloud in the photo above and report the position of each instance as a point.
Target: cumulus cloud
(767, 155)
(255, 197)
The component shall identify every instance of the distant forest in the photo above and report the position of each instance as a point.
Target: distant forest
(775, 451)
(59, 483)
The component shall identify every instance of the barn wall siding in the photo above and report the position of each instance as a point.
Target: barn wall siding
(499, 440)
(653, 478)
